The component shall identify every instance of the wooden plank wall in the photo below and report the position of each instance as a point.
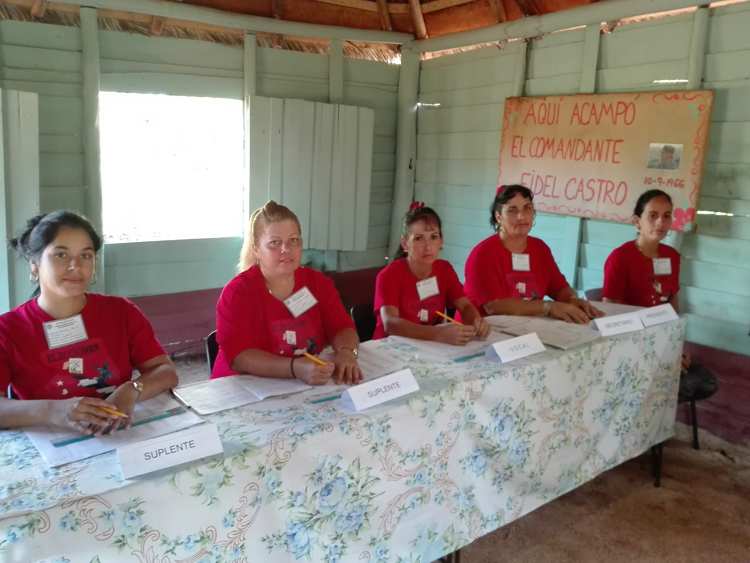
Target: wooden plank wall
(310, 156)
(458, 146)
(46, 59)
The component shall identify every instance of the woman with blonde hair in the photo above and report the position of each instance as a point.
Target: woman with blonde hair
(274, 310)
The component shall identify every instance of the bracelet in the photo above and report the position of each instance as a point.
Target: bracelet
(291, 367)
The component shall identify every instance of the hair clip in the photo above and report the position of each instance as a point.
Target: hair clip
(415, 205)
(499, 191)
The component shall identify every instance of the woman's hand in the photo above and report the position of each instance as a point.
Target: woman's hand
(311, 372)
(588, 308)
(481, 327)
(456, 334)
(124, 399)
(83, 414)
(347, 369)
(568, 312)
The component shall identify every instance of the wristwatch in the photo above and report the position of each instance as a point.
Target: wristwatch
(354, 351)
(138, 386)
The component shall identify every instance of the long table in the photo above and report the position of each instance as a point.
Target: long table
(480, 445)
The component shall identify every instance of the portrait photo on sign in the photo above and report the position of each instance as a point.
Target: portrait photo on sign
(664, 156)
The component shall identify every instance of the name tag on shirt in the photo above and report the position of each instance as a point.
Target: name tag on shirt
(521, 262)
(290, 337)
(427, 288)
(300, 302)
(65, 331)
(424, 315)
(662, 266)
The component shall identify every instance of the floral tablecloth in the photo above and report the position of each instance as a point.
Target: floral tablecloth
(480, 445)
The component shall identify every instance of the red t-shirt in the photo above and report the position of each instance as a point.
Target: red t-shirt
(119, 340)
(249, 317)
(490, 274)
(629, 276)
(396, 286)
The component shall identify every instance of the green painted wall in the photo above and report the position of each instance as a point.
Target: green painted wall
(458, 145)
(46, 59)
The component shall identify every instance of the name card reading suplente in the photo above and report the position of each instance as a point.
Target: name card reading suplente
(380, 390)
(618, 324)
(173, 449)
(659, 314)
(516, 348)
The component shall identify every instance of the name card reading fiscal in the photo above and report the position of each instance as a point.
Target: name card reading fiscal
(516, 348)
(377, 391)
(167, 451)
(619, 324)
(656, 315)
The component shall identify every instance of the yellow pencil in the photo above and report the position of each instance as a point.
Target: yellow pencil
(314, 359)
(447, 318)
(113, 412)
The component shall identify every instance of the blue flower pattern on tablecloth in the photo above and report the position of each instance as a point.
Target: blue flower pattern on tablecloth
(480, 446)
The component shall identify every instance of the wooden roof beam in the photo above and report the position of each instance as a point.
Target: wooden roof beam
(385, 15)
(499, 9)
(417, 18)
(157, 26)
(38, 8)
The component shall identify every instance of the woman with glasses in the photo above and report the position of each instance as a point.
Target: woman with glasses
(67, 354)
(274, 310)
(510, 272)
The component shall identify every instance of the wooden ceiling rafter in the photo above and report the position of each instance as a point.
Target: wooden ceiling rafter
(385, 15)
(38, 8)
(498, 8)
(417, 18)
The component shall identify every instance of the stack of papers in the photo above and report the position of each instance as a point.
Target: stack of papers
(214, 395)
(552, 332)
(428, 349)
(155, 417)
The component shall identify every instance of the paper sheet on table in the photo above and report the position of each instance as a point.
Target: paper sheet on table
(429, 349)
(614, 308)
(154, 417)
(223, 393)
(376, 360)
(552, 332)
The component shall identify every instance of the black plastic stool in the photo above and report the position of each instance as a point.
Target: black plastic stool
(696, 384)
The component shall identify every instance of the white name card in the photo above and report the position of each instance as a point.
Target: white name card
(656, 315)
(169, 450)
(618, 324)
(516, 348)
(380, 390)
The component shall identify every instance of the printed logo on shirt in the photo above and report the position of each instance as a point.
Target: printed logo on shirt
(83, 368)
(523, 285)
(304, 331)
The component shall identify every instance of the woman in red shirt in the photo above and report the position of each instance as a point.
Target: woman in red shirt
(412, 291)
(69, 354)
(510, 273)
(274, 310)
(644, 271)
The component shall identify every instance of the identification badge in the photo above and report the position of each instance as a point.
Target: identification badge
(290, 337)
(427, 288)
(65, 331)
(424, 315)
(75, 366)
(521, 288)
(521, 263)
(300, 302)
(662, 267)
